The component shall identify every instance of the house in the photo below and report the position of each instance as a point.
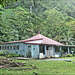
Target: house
(36, 45)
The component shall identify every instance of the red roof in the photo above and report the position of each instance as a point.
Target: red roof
(11, 42)
(44, 39)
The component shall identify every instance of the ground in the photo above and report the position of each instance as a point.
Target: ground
(52, 67)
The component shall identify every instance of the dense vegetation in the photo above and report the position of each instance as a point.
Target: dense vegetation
(23, 19)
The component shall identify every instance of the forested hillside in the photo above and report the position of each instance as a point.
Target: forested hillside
(23, 19)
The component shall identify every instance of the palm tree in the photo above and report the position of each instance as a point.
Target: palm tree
(67, 39)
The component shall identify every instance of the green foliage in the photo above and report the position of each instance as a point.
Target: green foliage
(6, 54)
(69, 55)
(54, 18)
(1, 53)
(6, 2)
(73, 55)
(28, 54)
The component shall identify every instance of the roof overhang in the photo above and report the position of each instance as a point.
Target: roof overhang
(66, 45)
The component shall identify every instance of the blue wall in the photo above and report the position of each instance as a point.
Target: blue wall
(35, 51)
(23, 49)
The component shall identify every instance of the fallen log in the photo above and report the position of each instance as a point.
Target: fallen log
(34, 67)
(16, 65)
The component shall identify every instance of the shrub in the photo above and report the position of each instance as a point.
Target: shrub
(73, 55)
(6, 54)
(21, 55)
(16, 55)
(9, 56)
(69, 55)
(1, 53)
(28, 54)
(12, 54)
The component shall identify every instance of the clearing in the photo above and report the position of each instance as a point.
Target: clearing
(36, 67)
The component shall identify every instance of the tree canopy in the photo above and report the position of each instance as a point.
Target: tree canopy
(21, 19)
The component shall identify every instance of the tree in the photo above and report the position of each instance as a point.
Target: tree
(54, 18)
(6, 2)
(6, 27)
(28, 24)
(68, 37)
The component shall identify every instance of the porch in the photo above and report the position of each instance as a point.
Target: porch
(68, 49)
(55, 51)
(50, 50)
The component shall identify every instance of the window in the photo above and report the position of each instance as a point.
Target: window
(33, 48)
(42, 49)
(29, 48)
(3, 48)
(14, 47)
(56, 49)
(18, 47)
(10, 47)
(7, 47)
(0, 47)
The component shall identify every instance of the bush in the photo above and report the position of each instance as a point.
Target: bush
(69, 55)
(6, 54)
(28, 54)
(16, 55)
(9, 56)
(73, 55)
(1, 53)
(21, 55)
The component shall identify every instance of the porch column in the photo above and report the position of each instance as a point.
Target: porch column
(68, 51)
(45, 50)
(38, 50)
(53, 50)
(60, 52)
(32, 50)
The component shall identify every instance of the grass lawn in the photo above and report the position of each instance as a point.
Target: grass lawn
(67, 57)
(45, 67)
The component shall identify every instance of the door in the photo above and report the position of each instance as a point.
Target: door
(29, 51)
(49, 51)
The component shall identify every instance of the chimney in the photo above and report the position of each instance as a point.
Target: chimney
(39, 32)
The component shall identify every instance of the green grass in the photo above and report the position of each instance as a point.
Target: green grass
(67, 57)
(45, 67)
